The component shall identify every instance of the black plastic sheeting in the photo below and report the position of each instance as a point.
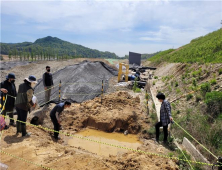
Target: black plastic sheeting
(135, 67)
(80, 82)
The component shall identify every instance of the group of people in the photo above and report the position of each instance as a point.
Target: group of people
(24, 100)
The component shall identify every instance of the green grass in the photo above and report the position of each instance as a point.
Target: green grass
(111, 61)
(138, 90)
(160, 56)
(213, 81)
(220, 71)
(178, 91)
(206, 49)
(189, 96)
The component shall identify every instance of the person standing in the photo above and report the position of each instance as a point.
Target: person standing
(23, 103)
(55, 116)
(8, 88)
(165, 117)
(47, 83)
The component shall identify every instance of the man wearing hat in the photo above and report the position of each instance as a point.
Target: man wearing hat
(24, 102)
(8, 88)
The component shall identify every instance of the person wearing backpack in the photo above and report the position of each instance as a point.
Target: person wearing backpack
(165, 117)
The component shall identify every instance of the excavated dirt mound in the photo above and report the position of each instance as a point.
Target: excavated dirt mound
(118, 112)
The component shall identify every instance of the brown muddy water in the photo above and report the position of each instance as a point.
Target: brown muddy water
(130, 141)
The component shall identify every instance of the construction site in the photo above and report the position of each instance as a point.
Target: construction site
(110, 124)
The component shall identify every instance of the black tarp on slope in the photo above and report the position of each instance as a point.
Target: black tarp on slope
(79, 81)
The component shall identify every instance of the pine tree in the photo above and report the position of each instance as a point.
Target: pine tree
(10, 55)
(32, 54)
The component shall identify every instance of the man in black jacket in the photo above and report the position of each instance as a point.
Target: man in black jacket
(47, 83)
(23, 103)
(8, 88)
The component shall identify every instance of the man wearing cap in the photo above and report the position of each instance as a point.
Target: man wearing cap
(47, 83)
(24, 102)
(8, 88)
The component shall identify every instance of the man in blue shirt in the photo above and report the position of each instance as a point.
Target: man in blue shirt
(165, 117)
(55, 116)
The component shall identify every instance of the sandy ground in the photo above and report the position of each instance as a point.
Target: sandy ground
(42, 149)
(118, 112)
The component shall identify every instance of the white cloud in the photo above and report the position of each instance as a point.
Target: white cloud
(125, 23)
(151, 38)
(96, 16)
(172, 35)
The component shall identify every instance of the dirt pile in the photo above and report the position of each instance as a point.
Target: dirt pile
(118, 112)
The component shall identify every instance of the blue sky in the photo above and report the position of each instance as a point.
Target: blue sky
(115, 26)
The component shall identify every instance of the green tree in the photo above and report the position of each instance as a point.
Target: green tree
(10, 55)
(32, 54)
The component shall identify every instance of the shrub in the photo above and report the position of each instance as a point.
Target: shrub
(170, 154)
(138, 90)
(154, 82)
(213, 82)
(204, 88)
(213, 101)
(178, 91)
(176, 84)
(198, 98)
(153, 116)
(194, 82)
(197, 73)
(152, 131)
(135, 85)
(169, 88)
(178, 112)
(214, 75)
(155, 77)
(183, 77)
(220, 71)
(189, 96)
(173, 105)
(153, 106)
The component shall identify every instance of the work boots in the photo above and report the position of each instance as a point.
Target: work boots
(19, 129)
(24, 133)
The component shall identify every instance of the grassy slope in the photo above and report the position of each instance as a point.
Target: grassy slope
(206, 49)
(191, 111)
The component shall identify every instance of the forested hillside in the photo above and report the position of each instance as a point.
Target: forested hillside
(52, 46)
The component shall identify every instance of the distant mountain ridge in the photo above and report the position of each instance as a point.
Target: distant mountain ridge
(54, 46)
